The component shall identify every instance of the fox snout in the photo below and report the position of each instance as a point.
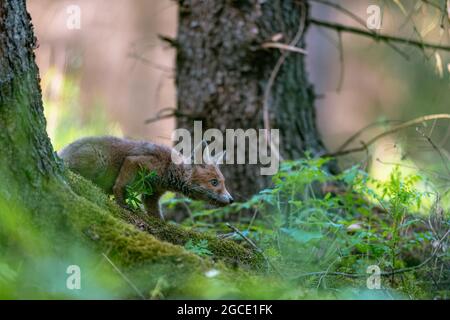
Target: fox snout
(225, 199)
(214, 197)
(208, 183)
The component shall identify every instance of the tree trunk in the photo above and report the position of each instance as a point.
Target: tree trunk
(26, 148)
(49, 214)
(223, 71)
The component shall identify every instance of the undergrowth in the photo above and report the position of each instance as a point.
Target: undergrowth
(330, 233)
(320, 236)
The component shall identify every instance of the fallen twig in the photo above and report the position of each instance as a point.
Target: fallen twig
(254, 246)
(124, 277)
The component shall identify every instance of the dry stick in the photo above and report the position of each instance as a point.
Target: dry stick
(160, 115)
(282, 46)
(359, 21)
(361, 131)
(445, 13)
(255, 213)
(377, 36)
(146, 61)
(409, 17)
(251, 243)
(438, 150)
(342, 9)
(342, 63)
(169, 113)
(124, 277)
(188, 210)
(388, 132)
(436, 6)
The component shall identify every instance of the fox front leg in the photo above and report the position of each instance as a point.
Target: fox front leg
(127, 173)
(151, 203)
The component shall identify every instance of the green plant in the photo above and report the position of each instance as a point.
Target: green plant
(401, 197)
(200, 248)
(313, 236)
(142, 185)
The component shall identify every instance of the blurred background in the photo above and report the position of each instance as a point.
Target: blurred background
(113, 72)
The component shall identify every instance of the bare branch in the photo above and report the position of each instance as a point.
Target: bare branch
(127, 280)
(378, 37)
(361, 131)
(254, 246)
(388, 132)
(359, 21)
(283, 46)
(438, 150)
(169, 113)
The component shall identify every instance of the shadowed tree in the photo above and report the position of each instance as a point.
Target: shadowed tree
(229, 76)
(39, 197)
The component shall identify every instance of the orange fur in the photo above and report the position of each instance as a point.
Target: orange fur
(112, 163)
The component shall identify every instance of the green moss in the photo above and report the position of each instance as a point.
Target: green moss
(141, 258)
(227, 251)
(60, 220)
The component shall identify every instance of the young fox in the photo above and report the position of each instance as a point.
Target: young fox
(112, 163)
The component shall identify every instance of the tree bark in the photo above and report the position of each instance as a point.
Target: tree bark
(223, 71)
(26, 148)
(49, 213)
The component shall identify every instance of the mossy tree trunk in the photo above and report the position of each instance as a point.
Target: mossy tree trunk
(65, 209)
(26, 148)
(223, 71)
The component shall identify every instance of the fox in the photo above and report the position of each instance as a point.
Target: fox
(112, 163)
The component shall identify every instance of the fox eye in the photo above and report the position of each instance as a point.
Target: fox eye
(214, 182)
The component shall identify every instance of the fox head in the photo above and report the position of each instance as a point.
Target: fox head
(206, 181)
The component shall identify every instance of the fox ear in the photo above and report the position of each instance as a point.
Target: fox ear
(199, 148)
(219, 158)
(186, 159)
